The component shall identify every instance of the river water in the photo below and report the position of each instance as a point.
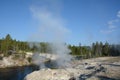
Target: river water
(16, 73)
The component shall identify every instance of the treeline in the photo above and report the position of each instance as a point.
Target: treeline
(97, 49)
(9, 45)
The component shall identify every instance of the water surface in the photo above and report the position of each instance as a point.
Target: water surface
(16, 73)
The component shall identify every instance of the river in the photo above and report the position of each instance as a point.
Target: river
(16, 73)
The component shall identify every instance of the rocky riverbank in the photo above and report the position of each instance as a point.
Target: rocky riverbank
(103, 68)
(11, 61)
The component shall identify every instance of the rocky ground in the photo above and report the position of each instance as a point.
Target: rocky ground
(103, 68)
(11, 61)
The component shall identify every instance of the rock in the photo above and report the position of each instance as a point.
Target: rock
(46, 74)
(79, 72)
(10, 62)
(83, 77)
(53, 74)
(89, 67)
(72, 78)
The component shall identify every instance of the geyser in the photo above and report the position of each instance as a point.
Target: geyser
(52, 30)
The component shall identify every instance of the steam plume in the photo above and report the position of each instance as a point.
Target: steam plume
(51, 29)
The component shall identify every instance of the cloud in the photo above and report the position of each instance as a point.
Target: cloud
(108, 31)
(112, 25)
(118, 14)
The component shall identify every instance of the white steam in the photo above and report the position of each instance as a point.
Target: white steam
(51, 29)
(62, 52)
(39, 60)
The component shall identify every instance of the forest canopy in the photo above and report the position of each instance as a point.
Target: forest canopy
(97, 49)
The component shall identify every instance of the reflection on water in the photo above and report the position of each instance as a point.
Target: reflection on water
(16, 73)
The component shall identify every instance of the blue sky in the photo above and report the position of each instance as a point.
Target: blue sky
(84, 21)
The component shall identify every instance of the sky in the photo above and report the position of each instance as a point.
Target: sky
(70, 21)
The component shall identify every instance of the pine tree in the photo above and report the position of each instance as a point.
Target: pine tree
(106, 49)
